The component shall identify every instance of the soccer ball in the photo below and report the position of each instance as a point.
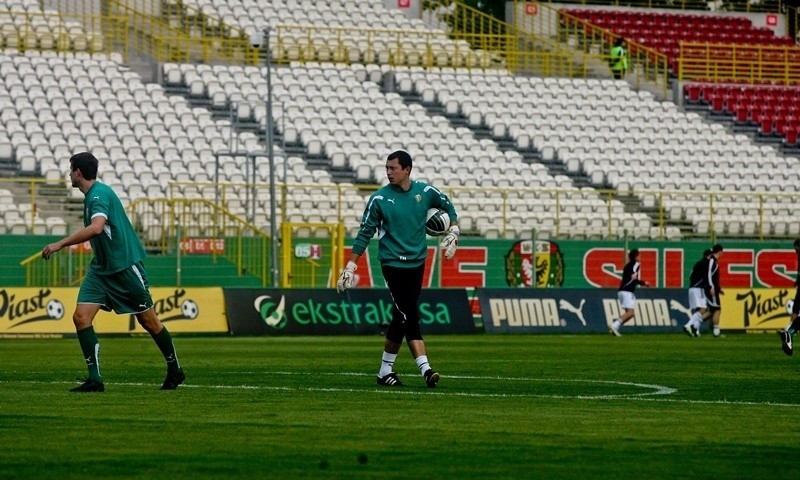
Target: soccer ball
(437, 221)
(789, 306)
(55, 309)
(190, 309)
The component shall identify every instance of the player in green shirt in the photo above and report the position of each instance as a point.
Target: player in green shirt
(116, 279)
(397, 212)
(618, 59)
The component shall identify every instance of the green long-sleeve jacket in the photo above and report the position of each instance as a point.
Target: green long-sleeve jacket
(618, 60)
(399, 218)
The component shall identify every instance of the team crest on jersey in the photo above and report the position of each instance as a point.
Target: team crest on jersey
(418, 198)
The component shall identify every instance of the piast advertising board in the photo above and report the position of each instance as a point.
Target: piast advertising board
(253, 311)
(755, 309)
(31, 311)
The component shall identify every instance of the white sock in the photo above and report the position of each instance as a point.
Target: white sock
(422, 364)
(696, 321)
(716, 330)
(617, 324)
(387, 362)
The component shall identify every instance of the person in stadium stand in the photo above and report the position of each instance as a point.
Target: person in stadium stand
(116, 278)
(618, 59)
(713, 288)
(397, 212)
(794, 324)
(631, 277)
(698, 304)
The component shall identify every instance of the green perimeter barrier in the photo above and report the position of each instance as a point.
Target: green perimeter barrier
(483, 263)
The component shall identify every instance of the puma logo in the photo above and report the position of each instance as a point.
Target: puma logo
(676, 305)
(578, 311)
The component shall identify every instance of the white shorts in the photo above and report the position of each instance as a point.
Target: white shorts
(627, 300)
(697, 299)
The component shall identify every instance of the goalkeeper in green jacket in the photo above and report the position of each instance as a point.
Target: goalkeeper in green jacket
(398, 213)
(618, 59)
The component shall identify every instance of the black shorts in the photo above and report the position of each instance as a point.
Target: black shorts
(405, 285)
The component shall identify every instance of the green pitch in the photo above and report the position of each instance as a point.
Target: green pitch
(547, 406)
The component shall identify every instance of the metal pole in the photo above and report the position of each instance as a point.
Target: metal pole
(271, 153)
(253, 190)
(534, 236)
(178, 262)
(283, 138)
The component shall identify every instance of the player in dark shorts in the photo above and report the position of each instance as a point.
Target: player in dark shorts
(794, 324)
(398, 212)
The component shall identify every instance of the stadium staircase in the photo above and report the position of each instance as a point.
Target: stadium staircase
(196, 24)
(504, 143)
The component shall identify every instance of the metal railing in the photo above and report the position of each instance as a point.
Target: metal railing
(726, 6)
(63, 270)
(425, 48)
(739, 63)
(646, 65)
(177, 32)
(164, 224)
(202, 216)
(64, 33)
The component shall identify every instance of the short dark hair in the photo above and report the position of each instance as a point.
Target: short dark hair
(706, 252)
(797, 244)
(86, 163)
(619, 41)
(632, 254)
(716, 248)
(403, 158)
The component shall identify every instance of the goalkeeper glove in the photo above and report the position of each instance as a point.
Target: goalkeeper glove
(450, 242)
(346, 277)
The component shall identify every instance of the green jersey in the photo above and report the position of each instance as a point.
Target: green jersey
(118, 247)
(399, 218)
(619, 59)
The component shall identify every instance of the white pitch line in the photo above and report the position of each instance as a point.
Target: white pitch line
(647, 396)
(659, 389)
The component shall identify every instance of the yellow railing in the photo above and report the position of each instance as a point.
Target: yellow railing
(302, 264)
(36, 199)
(425, 48)
(665, 209)
(757, 215)
(525, 49)
(164, 222)
(210, 215)
(747, 63)
(646, 65)
(63, 269)
(164, 31)
(176, 32)
(730, 6)
(64, 33)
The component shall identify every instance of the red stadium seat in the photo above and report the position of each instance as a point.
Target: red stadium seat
(691, 93)
(765, 128)
(741, 113)
(790, 139)
(664, 31)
